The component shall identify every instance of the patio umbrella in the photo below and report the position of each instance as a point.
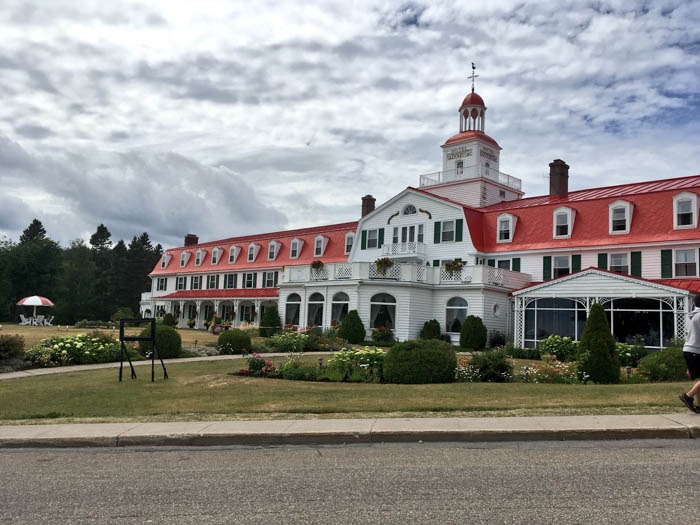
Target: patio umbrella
(34, 300)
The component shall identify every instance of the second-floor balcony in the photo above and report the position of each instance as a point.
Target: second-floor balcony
(470, 172)
(404, 249)
(408, 272)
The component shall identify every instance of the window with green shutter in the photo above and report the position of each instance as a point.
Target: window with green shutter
(459, 226)
(436, 262)
(491, 262)
(547, 268)
(381, 238)
(576, 262)
(516, 264)
(363, 241)
(667, 264)
(436, 237)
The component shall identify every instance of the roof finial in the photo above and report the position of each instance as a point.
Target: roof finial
(473, 76)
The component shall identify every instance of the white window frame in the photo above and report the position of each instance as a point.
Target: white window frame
(213, 279)
(512, 220)
(628, 208)
(184, 258)
(409, 209)
(229, 279)
(248, 279)
(233, 252)
(555, 267)
(253, 252)
(181, 282)
(196, 279)
(453, 231)
(295, 247)
(503, 264)
(165, 260)
(676, 262)
(692, 198)
(199, 257)
(162, 284)
(375, 239)
(272, 250)
(269, 280)
(569, 215)
(320, 245)
(626, 264)
(216, 255)
(349, 241)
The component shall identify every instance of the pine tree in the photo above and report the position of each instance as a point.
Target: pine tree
(473, 333)
(270, 322)
(352, 329)
(596, 356)
(32, 232)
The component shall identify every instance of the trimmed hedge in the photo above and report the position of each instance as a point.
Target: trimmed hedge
(233, 341)
(431, 330)
(664, 365)
(352, 329)
(420, 361)
(168, 342)
(472, 335)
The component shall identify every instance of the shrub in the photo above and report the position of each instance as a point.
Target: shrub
(122, 313)
(596, 356)
(631, 354)
(294, 370)
(233, 341)
(356, 364)
(473, 333)
(352, 329)
(79, 349)
(431, 330)
(383, 335)
(550, 371)
(289, 341)
(323, 342)
(270, 323)
(664, 365)
(169, 319)
(11, 346)
(497, 339)
(492, 366)
(259, 366)
(168, 342)
(521, 353)
(420, 361)
(562, 348)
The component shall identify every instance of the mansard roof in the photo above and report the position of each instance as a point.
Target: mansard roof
(334, 250)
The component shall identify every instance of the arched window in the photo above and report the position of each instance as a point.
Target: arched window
(339, 308)
(382, 311)
(455, 314)
(315, 316)
(409, 209)
(291, 315)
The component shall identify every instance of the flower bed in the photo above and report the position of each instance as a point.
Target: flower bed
(79, 349)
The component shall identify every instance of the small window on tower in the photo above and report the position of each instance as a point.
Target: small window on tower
(460, 167)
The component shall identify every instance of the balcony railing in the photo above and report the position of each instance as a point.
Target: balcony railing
(404, 249)
(408, 272)
(470, 172)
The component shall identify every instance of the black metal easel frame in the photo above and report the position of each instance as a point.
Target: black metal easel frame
(152, 338)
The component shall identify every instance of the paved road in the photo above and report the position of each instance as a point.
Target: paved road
(653, 481)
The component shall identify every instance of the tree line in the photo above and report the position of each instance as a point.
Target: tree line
(84, 281)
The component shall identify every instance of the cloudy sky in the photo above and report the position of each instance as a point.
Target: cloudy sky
(223, 118)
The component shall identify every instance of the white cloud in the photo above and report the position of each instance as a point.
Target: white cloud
(229, 118)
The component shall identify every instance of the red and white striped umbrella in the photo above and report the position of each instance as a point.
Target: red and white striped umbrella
(34, 300)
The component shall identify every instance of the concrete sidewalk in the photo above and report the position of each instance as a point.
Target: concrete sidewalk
(351, 431)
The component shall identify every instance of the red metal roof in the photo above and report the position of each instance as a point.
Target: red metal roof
(469, 135)
(222, 294)
(334, 252)
(473, 99)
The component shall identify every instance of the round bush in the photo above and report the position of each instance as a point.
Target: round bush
(664, 365)
(233, 342)
(352, 329)
(472, 335)
(564, 348)
(492, 366)
(168, 342)
(420, 361)
(431, 330)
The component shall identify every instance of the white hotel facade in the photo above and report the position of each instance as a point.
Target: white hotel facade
(530, 267)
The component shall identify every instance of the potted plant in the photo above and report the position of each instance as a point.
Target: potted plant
(317, 265)
(190, 323)
(383, 264)
(454, 266)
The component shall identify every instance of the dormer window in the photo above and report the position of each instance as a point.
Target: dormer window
(295, 248)
(165, 260)
(252, 251)
(233, 252)
(349, 239)
(563, 222)
(216, 255)
(620, 217)
(184, 257)
(199, 257)
(506, 227)
(685, 214)
(320, 245)
(272, 250)
(410, 209)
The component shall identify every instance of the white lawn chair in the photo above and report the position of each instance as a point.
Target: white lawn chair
(24, 320)
(39, 321)
(47, 321)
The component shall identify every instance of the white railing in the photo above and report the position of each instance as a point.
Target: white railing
(470, 172)
(299, 274)
(420, 273)
(319, 274)
(343, 271)
(393, 272)
(403, 248)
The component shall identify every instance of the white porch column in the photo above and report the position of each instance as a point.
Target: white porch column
(216, 308)
(181, 317)
(199, 313)
(257, 304)
(236, 303)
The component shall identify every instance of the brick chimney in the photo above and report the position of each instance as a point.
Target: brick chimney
(368, 204)
(558, 178)
(191, 239)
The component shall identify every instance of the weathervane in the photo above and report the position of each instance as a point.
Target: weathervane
(473, 76)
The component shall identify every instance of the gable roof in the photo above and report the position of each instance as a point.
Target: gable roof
(334, 250)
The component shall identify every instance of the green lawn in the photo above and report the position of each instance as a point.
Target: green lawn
(209, 391)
